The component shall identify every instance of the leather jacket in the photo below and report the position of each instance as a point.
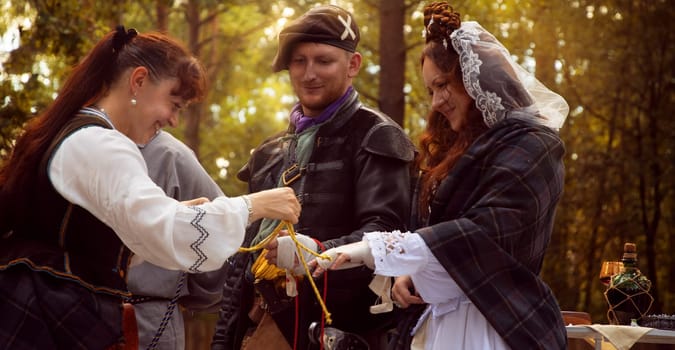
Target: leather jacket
(357, 179)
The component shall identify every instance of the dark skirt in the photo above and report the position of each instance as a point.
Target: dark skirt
(41, 311)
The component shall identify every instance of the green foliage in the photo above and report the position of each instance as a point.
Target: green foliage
(51, 40)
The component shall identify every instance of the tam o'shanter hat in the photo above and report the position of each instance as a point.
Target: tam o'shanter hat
(327, 24)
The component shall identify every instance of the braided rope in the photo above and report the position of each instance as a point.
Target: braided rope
(298, 246)
(167, 315)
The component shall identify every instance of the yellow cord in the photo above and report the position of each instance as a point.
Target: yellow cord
(291, 232)
(266, 240)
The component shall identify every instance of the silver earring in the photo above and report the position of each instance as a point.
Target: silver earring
(133, 101)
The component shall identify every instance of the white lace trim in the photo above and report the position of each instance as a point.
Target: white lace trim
(385, 243)
(397, 253)
(488, 102)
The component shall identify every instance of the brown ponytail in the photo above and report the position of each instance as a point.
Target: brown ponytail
(90, 80)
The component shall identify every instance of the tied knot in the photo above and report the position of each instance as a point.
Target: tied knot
(122, 37)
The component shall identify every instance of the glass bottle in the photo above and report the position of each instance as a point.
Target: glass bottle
(628, 291)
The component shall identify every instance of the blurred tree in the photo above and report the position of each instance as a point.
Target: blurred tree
(392, 58)
(619, 75)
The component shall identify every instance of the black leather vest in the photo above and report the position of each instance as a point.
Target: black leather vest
(63, 239)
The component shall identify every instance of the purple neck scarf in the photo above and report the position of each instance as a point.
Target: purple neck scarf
(303, 122)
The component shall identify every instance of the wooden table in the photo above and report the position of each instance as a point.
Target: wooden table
(655, 336)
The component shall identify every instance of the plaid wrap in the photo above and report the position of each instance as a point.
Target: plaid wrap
(42, 312)
(490, 223)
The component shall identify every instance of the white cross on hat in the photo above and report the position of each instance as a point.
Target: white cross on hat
(348, 29)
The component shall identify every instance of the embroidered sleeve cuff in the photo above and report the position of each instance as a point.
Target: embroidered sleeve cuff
(249, 208)
(397, 253)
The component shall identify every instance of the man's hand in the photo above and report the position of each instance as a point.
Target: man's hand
(284, 254)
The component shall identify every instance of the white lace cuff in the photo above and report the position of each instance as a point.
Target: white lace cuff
(397, 253)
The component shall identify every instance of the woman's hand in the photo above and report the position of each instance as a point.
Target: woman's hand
(344, 257)
(277, 203)
(196, 201)
(401, 292)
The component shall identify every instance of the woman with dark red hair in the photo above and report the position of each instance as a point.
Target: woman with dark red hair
(491, 175)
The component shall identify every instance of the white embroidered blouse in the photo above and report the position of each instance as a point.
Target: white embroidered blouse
(104, 172)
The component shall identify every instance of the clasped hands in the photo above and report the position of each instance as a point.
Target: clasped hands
(283, 253)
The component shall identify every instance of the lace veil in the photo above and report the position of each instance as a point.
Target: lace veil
(499, 85)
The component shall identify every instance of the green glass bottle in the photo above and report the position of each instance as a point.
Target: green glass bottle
(628, 291)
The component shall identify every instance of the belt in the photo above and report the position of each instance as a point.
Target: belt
(137, 299)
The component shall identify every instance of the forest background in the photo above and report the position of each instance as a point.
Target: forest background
(613, 60)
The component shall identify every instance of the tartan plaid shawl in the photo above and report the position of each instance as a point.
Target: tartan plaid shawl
(489, 226)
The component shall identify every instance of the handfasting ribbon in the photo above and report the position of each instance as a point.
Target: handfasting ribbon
(291, 232)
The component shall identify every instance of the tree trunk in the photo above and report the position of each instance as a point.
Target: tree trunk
(193, 113)
(392, 59)
(162, 8)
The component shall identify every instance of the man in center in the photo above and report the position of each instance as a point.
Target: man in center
(349, 165)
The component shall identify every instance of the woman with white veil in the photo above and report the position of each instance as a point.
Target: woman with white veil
(491, 176)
